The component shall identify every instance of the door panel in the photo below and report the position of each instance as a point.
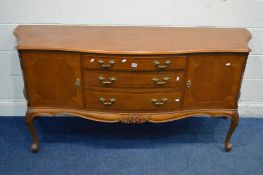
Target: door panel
(214, 81)
(50, 79)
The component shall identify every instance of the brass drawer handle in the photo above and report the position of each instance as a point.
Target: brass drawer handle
(165, 64)
(108, 102)
(159, 102)
(107, 81)
(106, 65)
(188, 83)
(159, 81)
(77, 82)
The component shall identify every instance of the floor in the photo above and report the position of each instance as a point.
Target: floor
(75, 146)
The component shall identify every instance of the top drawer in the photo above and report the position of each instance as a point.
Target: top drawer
(134, 63)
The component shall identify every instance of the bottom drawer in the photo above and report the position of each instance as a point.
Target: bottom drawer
(131, 100)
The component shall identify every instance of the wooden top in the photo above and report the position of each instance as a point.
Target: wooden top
(131, 40)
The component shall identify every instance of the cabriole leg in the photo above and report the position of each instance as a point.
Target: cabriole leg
(234, 123)
(29, 122)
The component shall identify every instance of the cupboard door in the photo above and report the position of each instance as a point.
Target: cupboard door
(51, 79)
(213, 81)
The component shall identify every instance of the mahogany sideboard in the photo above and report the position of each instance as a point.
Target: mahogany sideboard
(132, 74)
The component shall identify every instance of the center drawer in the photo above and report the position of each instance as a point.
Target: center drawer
(134, 63)
(133, 80)
(130, 100)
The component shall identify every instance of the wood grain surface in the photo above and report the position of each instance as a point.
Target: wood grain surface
(131, 40)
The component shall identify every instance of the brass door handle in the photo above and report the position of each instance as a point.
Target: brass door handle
(107, 81)
(165, 64)
(159, 102)
(188, 83)
(77, 82)
(159, 81)
(103, 64)
(108, 102)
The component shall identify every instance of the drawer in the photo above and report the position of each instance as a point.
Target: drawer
(133, 79)
(134, 63)
(143, 100)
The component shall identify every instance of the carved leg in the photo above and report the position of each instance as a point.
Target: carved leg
(234, 123)
(29, 122)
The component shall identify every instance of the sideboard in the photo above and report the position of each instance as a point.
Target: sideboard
(132, 74)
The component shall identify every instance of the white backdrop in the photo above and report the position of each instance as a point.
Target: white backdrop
(212, 13)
